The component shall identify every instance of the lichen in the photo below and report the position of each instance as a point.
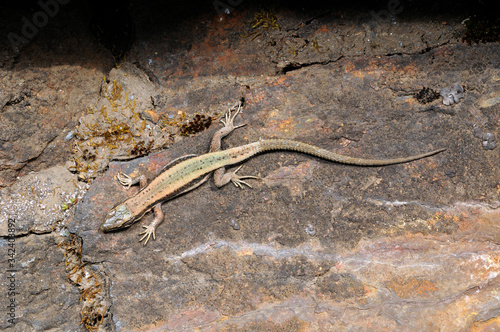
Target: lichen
(113, 131)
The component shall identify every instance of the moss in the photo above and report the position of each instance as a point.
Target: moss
(109, 132)
(262, 21)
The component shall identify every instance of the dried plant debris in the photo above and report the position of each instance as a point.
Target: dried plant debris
(175, 120)
(426, 95)
(317, 47)
(117, 131)
(92, 284)
(262, 21)
(113, 131)
(453, 94)
(197, 124)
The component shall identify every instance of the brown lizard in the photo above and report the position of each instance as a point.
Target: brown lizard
(188, 172)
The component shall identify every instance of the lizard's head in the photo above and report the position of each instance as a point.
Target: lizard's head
(119, 217)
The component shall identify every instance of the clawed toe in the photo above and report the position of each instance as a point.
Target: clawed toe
(146, 234)
(229, 117)
(238, 180)
(124, 179)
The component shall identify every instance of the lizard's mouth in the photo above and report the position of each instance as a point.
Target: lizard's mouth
(118, 218)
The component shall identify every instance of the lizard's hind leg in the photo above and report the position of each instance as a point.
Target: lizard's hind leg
(221, 178)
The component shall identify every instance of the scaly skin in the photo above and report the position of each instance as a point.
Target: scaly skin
(185, 174)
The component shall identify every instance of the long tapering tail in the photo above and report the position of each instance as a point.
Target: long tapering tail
(281, 144)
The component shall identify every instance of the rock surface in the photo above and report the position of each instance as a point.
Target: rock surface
(314, 246)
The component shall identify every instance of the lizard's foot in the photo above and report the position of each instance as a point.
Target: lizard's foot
(229, 117)
(128, 181)
(238, 180)
(146, 233)
(125, 180)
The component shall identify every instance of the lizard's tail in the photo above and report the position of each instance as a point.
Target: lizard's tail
(280, 144)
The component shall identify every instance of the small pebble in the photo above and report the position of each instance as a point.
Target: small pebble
(234, 224)
(489, 141)
(450, 173)
(310, 230)
(452, 95)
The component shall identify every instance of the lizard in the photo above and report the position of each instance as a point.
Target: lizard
(190, 171)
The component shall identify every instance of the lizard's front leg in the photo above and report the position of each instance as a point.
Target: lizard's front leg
(229, 126)
(127, 181)
(151, 228)
(221, 177)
